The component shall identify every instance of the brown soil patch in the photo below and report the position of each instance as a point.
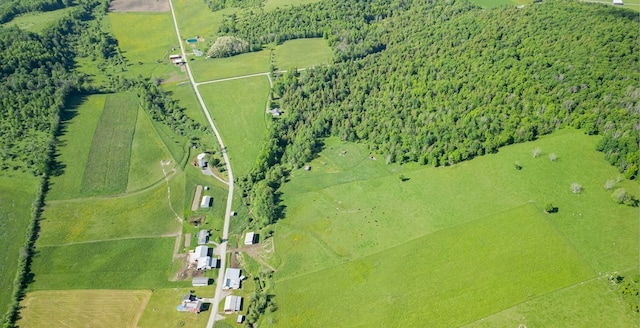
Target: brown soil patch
(196, 198)
(139, 5)
(196, 221)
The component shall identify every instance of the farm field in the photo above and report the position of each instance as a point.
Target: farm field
(37, 21)
(196, 19)
(78, 121)
(219, 68)
(17, 193)
(137, 263)
(83, 308)
(302, 53)
(346, 226)
(161, 309)
(238, 108)
(107, 169)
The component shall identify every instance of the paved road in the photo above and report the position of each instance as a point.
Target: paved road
(227, 215)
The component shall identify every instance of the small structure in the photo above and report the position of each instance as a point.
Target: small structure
(231, 279)
(249, 238)
(206, 202)
(232, 304)
(276, 112)
(307, 168)
(201, 251)
(204, 263)
(197, 52)
(202, 160)
(618, 2)
(190, 303)
(176, 59)
(240, 319)
(200, 281)
(203, 237)
(233, 213)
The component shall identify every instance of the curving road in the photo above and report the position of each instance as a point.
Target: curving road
(227, 215)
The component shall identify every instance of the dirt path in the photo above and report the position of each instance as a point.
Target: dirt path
(196, 198)
(143, 306)
(166, 178)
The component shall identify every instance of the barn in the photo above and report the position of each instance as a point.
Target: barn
(200, 281)
(232, 304)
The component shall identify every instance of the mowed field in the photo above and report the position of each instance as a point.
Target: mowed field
(219, 68)
(451, 246)
(238, 108)
(83, 308)
(107, 169)
(302, 53)
(17, 193)
(161, 309)
(37, 21)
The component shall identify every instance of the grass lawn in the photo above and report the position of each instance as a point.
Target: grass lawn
(302, 53)
(107, 169)
(83, 308)
(218, 68)
(37, 21)
(273, 4)
(161, 309)
(79, 121)
(147, 153)
(350, 209)
(17, 193)
(238, 108)
(140, 263)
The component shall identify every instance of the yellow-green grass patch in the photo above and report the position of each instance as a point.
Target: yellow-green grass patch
(37, 21)
(148, 155)
(83, 308)
(302, 53)
(239, 110)
(142, 214)
(17, 193)
(107, 169)
(184, 94)
(444, 279)
(273, 4)
(78, 125)
(197, 20)
(218, 68)
(139, 263)
(161, 309)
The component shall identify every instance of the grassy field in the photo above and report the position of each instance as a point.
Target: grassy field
(37, 21)
(83, 308)
(161, 310)
(78, 121)
(352, 215)
(238, 108)
(107, 169)
(218, 68)
(302, 53)
(17, 193)
(140, 263)
(196, 19)
(183, 92)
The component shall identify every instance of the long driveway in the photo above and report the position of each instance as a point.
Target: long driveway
(227, 215)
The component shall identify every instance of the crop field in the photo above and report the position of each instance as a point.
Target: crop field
(17, 193)
(219, 68)
(238, 107)
(302, 53)
(147, 154)
(83, 308)
(107, 168)
(37, 21)
(273, 4)
(353, 221)
(161, 309)
(79, 122)
(138, 263)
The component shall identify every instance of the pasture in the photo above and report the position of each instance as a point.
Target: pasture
(83, 308)
(78, 123)
(137, 263)
(107, 169)
(37, 21)
(302, 53)
(238, 108)
(350, 215)
(219, 68)
(196, 19)
(17, 193)
(161, 309)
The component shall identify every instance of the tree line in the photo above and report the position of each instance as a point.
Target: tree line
(12, 8)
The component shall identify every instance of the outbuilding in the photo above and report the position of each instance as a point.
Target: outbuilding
(231, 279)
(232, 303)
(206, 202)
(200, 281)
(618, 2)
(240, 319)
(202, 161)
(203, 237)
(201, 251)
(249, 238)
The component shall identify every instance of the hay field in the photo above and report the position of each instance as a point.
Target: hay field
(302, 53)
(83, 308)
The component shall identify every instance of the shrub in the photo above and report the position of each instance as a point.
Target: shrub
(227, 46)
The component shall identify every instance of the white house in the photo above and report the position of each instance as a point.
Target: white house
(201, 251)
(232, 304)
(231, 279)
(204, 263)
(202, 162)
(249, 238)
(206, 202)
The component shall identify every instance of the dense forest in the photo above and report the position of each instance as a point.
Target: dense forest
(450, 81)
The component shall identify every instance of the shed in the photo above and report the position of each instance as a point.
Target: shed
(307, 168)
(200, 281)
(240, 319)
(232, 303)
(249, 238)
(618, 2)
(206, 202)
(204, 263)
(201, 251)
(231, 279)
(202, 160)
(203, 237)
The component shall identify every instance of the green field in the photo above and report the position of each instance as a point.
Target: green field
(79, 121)
(140, 263)
(107, 169)
(238, 109)
(83, 308)
(302, 53)
(196, 19)
(352, 224)
(37, 21)
(161, 309)
(219, 68)
(17, 193)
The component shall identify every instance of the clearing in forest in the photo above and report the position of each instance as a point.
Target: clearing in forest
(139, 5)
(302, 53)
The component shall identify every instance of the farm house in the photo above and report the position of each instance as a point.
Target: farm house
(206, 201)
(200, 281)
(206, 263)
(249, 238)
(201, 251)
(231, 279)
(190, 303)
(232, 304)
(203, 237)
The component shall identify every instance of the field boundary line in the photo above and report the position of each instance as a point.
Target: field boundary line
(238, 77)
(105, 240)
